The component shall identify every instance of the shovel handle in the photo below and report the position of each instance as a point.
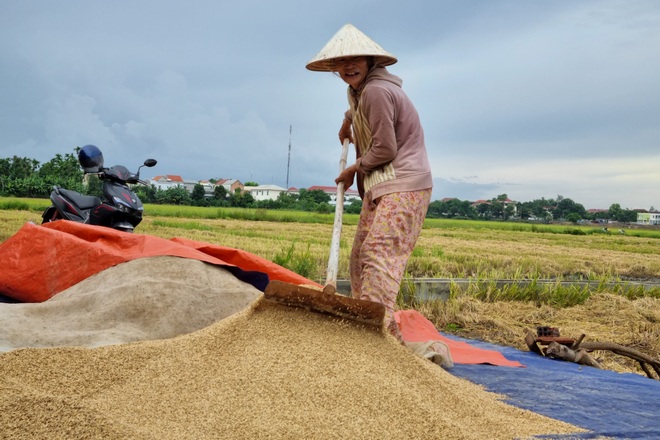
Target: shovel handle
(333, 260)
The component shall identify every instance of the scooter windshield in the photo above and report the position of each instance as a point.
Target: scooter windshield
(121, 173)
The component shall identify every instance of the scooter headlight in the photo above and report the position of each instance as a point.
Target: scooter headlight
(121, 205)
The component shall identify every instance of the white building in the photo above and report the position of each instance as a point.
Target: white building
(265, 192)
(648, 218)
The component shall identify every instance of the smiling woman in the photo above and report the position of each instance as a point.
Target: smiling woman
(392, 168)
(354, 70)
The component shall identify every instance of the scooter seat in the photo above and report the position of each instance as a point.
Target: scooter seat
(82, 201)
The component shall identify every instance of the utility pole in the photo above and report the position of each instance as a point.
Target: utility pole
(288, 162)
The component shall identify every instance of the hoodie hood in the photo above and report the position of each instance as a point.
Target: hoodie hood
(378, 73)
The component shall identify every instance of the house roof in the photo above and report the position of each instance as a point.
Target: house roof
(169, 177)
(226, 181)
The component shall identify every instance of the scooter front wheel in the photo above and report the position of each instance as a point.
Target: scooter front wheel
(123, 226)
(50, 215)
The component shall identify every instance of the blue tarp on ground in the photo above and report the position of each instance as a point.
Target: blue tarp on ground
(617, 405)
(6, 299)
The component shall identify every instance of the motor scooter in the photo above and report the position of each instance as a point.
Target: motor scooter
(120, 208)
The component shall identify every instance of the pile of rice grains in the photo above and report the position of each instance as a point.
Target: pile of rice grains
(268, 371)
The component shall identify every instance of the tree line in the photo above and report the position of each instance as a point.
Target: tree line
(542, 210)
(25, 177)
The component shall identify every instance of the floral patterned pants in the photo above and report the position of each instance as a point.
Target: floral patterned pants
(385, 238)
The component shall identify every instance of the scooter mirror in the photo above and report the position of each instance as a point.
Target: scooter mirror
(150, 162)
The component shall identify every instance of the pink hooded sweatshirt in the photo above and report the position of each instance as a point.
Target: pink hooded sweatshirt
(388, 136)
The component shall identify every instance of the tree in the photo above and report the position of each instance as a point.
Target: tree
(629, 216)
(451, 208)
(94, 186)
(19, 167)
(524, 210)
(497, 209)
(355, 207)
(435, 209)
(464, 208)
(314, 196)
(241, 199)
(573, 217)
(310, 200)
(176, 195)
(615, 212)
(483, 209)
(267, 204)
(146, 193)
(62, 168)
(287, 200)
(219, 193)
(566, 206)
(198, 193)
(542, 208)
(324, 208)
(32, 186)
(13, 173)
(621, 215)
(509, 210)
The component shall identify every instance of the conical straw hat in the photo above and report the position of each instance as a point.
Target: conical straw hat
(349, 42)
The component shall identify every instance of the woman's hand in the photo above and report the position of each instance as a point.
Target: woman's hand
(347, 177)
(345, 132)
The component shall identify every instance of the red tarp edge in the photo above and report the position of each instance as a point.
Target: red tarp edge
(416, 328)
(40, 261)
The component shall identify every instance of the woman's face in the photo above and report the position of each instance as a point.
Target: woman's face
(353, 70)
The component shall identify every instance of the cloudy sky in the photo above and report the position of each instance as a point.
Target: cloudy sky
(520, 97)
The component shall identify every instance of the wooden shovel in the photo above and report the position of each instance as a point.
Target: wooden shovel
(328, 301)
(333, 260)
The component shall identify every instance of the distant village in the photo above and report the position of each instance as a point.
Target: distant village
(260, 192)
(272, 192)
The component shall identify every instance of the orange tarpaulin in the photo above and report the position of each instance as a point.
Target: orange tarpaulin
(40, 261)
(416, 328)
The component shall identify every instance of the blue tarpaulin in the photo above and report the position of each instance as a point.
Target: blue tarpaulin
(607, 403)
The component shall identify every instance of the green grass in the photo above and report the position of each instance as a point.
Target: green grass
(23, 204)
(300, 262)
(245, 214)
(197, 212)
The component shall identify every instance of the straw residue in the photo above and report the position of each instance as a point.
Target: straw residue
(266, 372)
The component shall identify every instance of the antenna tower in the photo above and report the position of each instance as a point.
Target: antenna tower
(288, 162)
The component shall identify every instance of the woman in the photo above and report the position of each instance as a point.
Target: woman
(393, 173)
